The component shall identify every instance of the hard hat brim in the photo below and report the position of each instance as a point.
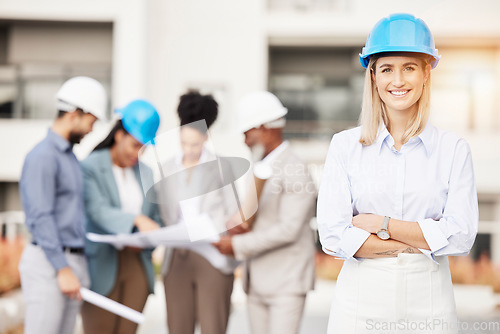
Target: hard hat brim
(249, 126)
(364, 58)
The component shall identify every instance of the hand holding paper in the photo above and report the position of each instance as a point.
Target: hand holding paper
(177, 235)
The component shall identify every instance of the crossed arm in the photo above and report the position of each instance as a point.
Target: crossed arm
(406, 237)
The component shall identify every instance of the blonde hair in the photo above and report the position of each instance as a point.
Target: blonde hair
(373, 109)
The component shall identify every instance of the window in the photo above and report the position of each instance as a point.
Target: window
(37, 57)
(321, 87)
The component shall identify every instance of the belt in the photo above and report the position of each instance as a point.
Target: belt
(71, 250)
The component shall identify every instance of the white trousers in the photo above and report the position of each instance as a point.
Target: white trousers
(279, 314)
(48, 311)
(400, 295)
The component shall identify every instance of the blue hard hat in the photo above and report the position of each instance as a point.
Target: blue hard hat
(141, 120)
(400, 33)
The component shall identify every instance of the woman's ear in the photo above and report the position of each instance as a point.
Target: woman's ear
(372, 73)
(427, 72)
(119, 136)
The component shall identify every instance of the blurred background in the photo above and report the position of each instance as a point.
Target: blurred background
(304, 51)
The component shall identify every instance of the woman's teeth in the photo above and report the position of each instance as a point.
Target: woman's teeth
(399, 92)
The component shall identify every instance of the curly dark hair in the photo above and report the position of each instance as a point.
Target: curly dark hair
(194, 106)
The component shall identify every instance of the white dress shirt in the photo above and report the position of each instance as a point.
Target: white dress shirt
(193, 205)
(129, 190)
(191, 208)
(430, 181)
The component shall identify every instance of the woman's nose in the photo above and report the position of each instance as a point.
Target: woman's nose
(398, 80)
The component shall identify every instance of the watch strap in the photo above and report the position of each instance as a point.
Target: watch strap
(385, 223)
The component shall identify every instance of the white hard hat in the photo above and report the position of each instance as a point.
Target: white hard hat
(258, 108)
(84, 93)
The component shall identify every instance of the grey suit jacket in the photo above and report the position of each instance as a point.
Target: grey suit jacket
(216, 204)
(104, 216)
(279, 251)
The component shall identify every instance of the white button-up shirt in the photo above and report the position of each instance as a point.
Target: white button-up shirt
(430, 181)
(129, 190)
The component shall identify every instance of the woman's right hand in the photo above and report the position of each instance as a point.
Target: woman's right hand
(145, 224)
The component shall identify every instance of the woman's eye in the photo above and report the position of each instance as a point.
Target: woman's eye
(409, 69)
(386, 70)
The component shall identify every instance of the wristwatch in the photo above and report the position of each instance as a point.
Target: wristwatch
(383, 233)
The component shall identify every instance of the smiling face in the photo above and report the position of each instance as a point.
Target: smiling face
(400, 80)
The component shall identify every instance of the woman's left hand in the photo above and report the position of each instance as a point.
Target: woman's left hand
(368, 222)
(225, 245)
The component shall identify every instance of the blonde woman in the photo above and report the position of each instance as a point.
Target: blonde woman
(398, 195)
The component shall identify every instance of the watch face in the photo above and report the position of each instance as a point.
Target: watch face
(383, 234)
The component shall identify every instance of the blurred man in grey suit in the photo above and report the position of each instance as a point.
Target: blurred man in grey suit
(278, 248)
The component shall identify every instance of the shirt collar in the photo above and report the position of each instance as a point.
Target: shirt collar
(59, 142)
(382, 135)
(426, 137)
(277, 151)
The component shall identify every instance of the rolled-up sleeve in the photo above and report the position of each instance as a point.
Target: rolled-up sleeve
(338, 236)
(455, 232)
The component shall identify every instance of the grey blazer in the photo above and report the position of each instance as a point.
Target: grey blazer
(213, 203)
(104, 216)
(279, 251)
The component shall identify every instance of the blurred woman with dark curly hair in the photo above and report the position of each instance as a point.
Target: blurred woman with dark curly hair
(198, 285)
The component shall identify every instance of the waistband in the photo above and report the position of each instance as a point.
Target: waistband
(404, 261)
(72, 250)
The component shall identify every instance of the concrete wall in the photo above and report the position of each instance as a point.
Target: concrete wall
(216, 46)
(60, 43)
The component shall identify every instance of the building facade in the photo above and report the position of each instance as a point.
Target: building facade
(305, 51)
